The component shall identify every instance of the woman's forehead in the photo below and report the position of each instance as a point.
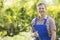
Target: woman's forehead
(41, 6)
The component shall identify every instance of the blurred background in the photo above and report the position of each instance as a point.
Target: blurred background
(16, 16)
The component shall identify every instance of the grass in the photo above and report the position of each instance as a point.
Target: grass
(20, 36)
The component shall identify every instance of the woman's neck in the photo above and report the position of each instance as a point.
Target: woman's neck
(42, 17)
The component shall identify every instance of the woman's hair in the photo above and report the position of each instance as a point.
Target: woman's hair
(42, 4)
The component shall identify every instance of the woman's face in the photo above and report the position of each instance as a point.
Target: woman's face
(41, 9)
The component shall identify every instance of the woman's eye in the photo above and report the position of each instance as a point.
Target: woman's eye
(39, 8)
(42, 8)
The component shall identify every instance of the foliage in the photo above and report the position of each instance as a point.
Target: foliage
(17, 17)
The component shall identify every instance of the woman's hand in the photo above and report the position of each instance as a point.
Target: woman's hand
(34, 34)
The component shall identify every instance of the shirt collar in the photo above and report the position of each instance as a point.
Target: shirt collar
(45, 17)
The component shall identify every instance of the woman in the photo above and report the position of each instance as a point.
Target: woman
(43, 27)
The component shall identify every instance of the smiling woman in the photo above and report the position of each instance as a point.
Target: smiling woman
(43, 27)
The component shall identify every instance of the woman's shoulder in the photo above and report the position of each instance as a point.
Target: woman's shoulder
(52, 23)
(50, 19)
(33, 21)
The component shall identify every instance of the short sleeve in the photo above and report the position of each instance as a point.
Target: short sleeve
(33, 22)
(52, 24)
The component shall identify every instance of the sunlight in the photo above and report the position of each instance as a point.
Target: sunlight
(49, 1)
(9, 2)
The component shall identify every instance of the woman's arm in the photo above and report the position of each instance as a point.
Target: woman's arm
(53, 36)
(32, 31)
(53, 29)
